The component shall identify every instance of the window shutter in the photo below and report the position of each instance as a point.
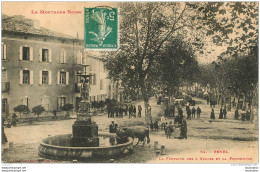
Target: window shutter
(58, 77)
(61, 53)
(90, 79)
(67, 78)
(21, 76)
(75, 58)
(50, 77)
(50, 55)
(81, 59)
(65, 56)
(58, 103)
(40, 77)
(21, 53)
(40, 55)
(4, 52)
(94, 79)
(31, 54)
(24, 101)
(31, 77)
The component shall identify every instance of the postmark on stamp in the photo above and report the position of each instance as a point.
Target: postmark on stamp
(101, 29)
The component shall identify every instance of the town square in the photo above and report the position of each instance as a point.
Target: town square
(130, 82)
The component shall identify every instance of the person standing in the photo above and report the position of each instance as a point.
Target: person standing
(248, 112)
(108, 111)
(180, 112)
(184, 129)
(212, 115)
(169, 130)
(121, 111)
(225, 113)
(139, 111)
(134, 111)
(188, 113)
(236, 114)
(151, 125)
(126, 109)
(198, 112)
(112, 127)
(117, 110)
(112, 110)
(14, 119)
(173, 110)
(4, 138)
(193, 112)
(54, 114)
(221, 113)
(156, 125)
(130, 111)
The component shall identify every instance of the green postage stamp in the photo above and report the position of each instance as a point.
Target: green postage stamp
(101, 29)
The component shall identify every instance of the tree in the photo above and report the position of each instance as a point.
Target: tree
(21, 109)
(231, 24)
(233, 76)
(178, 65)
(38, 110)
(145, 28)
(67, 108)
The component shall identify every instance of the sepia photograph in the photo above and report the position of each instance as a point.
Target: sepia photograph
(129, 82)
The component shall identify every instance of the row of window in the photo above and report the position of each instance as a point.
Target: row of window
(45, 77)
(45, 55)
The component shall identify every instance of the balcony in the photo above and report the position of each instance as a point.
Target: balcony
(5, 87)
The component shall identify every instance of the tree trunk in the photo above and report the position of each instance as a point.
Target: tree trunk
(238, 99)
(230, 102)
(148, 113)
(234, 100)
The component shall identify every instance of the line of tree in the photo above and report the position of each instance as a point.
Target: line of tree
(149, 29)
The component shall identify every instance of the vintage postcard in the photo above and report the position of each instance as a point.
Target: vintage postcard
(130, 82)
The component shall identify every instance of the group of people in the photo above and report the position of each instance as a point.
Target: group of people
(191, 113)
(212, 102)
(121, 110)
(170, 112)
(116, 111)
(222, 113)
(245, 116)
(132, 111)
(113, 127)
(179, 122)
(154, 125)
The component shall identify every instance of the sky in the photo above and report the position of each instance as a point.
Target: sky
(73, 24)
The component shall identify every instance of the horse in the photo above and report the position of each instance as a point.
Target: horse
(138, 132)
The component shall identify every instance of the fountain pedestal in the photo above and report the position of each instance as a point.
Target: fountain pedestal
(84, 131)
(84, 134)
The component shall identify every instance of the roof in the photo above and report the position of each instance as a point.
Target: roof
(20, 24)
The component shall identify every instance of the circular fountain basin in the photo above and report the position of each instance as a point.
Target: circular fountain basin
(59, 148)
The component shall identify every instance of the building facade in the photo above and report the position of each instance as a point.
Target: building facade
(39, 67)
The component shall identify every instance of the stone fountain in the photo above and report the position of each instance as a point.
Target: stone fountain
(85, 142)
